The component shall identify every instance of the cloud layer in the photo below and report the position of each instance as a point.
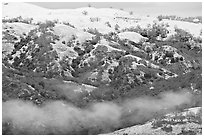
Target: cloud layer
(58, 117)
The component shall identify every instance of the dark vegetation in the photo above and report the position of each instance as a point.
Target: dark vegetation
(18, 19)
(187, 19)
(152, 32)
(35, 78)
(119, 85)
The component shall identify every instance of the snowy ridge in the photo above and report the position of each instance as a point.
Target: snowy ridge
(89, 17)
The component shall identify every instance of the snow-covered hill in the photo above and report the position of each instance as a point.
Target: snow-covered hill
(88, 55)
(177, 123)
(89, 17)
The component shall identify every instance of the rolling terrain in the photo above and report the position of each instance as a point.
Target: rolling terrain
(97, 60)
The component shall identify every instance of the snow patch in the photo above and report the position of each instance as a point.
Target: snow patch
(132, 36)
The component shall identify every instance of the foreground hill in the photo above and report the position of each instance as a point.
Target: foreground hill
(88, 55)
(186, 122)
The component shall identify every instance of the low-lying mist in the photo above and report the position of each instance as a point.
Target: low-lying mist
(58, 117)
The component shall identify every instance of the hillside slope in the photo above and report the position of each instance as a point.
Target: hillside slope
(177, 123)
(85, 56)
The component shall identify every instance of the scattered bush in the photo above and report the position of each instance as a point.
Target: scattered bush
(18, 19)
(117, 27)
(197, 19)
(85, 13)
(131, 12)
(94, 31)
(152, 32)
(68, 24)
(95, 19)
(181, 36)
(108, 24)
